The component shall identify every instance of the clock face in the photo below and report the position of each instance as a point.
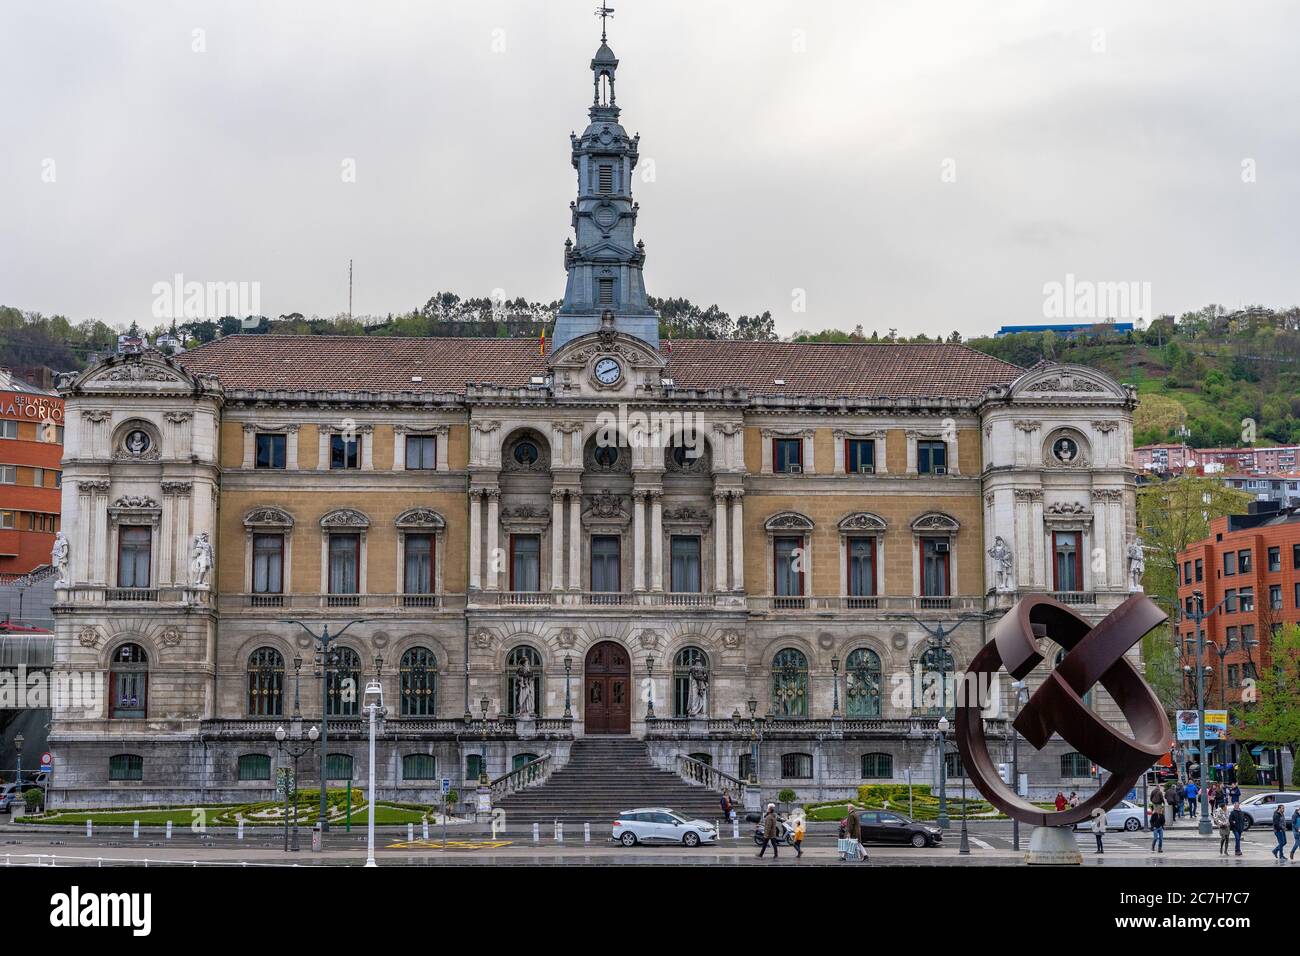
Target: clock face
(608, 371)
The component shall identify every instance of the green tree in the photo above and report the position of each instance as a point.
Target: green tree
(1247, 775)
(1274, 716)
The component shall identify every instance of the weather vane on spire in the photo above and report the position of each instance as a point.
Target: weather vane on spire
(603, 11)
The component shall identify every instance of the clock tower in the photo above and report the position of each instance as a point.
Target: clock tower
(604, 260)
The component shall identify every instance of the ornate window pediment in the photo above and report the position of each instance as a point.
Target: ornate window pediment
(345, 518)
(420, 519)
(607, 509)
(862, 521)
(788, 521)
(936, 522)
(268, 518)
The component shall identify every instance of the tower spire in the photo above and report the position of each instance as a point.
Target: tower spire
(604, 11)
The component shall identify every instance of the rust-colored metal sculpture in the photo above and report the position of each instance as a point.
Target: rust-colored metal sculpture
(1093, 655)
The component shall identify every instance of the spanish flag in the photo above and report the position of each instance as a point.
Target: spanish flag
(541, 345)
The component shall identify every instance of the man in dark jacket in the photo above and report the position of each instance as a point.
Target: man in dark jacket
(769, 831)
(1295, 829)
(1279, 832)
(1237, 824)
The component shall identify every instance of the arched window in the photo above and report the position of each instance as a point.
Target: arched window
(952, 765)
(703, 758)
(419, 767)
(521, 760)
(934, 682)
(862, 683)
(877, 766)
(126, 767)
(523, 665)
(690, 660)
(419, 670)
(745, 766)
(265, 683)
(473, 768)
(1075, 765)
(254, 767)
(344, 685)
(338, 767)
(128, 682)
(790, 683)
(796, 766)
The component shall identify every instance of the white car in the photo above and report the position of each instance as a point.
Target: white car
(661, 825)
(1125, 815)
(1259, 808)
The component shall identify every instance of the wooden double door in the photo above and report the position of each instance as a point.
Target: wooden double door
(607, 688)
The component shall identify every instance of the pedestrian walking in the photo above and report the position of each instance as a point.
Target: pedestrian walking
(799, 831)
(1234, 795)
(1099, 826)
(725, 803)
(1220, 821)
(1060, 801)
(1192, 792)
(1074, 799)
(770, 828)
(851, 843)
(1295, 828)
(1237, 825)
(1279, 832)
(1158, 830)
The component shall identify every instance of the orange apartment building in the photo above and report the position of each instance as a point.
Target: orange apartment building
(31, 451)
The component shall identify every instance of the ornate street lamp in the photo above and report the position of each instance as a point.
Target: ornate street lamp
(482, 764)
(568, 669)
(650, 695)
(835, 678)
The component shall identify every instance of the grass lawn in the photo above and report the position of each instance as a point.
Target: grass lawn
(214, 816)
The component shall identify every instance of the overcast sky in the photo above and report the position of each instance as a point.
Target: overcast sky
(926, 166)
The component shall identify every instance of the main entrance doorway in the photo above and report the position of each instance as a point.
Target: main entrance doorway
(607, 679)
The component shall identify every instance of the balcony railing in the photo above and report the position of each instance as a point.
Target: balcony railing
(369, 601)
(593, 599)
(854, 602)
(175, 594)
(803, 726)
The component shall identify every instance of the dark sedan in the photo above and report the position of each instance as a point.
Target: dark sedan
(885, 826)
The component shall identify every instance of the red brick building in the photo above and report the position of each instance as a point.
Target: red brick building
(31, 449)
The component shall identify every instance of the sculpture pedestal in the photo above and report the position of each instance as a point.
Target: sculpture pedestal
(1053, 846)
(526, 727)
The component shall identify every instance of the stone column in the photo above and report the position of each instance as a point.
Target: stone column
(291, 447)
(656, 540)
(737, 541)
(719, 541)
(250, 441)
(475, 536)
(557, 540)
(102, 544)
(575, 540)
(638, 540)
(493, 575)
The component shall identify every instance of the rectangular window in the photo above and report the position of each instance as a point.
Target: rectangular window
(1243, 561)
(1229, 563)
(859, 456)
(1248, 635)
(1229, 600)
(1230, 635)
(1296, 596)
(1200, 569)
(8, 475)
(126, 767)
(796, 766)
(685, 563)
(1066, 571)
(862, 567)
(787, 455)
(421, 452)
(8, 519)
(605, 570)
(1275, 597)
(1275, 559)
(787, 558)
(345, 452)
(254, 767)
(338, 767)
(525, 562)
(270, 451)
(8, 428)
(419, 552)
(345, 563)
(419, 767)
(605, 174)
(1247, 598)
(1295, 557)
(931, 458)
(38, 477)
(1187, 572)
(934, 567)
(133, 545)
(268, 563)
(473, 767)
(605, 291)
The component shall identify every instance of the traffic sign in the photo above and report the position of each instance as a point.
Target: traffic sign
(47, 760)
(446, 785)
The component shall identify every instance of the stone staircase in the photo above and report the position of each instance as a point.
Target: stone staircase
(605, 776)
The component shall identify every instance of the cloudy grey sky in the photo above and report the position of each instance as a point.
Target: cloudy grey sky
(926, 166)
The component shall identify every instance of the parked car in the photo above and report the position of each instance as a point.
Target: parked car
(885, 826)
(10, 794)
(661, 825)
(1259, 808)
(1125, 815)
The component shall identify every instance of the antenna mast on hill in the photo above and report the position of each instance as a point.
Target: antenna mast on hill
(349, 290)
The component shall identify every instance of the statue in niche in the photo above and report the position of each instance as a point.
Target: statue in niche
(1003, 565)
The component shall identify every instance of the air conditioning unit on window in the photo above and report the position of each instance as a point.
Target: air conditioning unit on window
(865, 468)
(941, 547)
(940, 470)
(794, 469)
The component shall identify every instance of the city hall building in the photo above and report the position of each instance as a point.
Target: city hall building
(713, 549)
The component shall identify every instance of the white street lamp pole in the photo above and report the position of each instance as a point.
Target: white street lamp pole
(375, 698)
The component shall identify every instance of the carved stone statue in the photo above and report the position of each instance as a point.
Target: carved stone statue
(697, 698)
(59, 558)
(201, 560)
(1137, 564)
(1003, 565)
(525, 698)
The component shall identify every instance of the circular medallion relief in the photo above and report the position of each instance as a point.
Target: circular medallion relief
(137, 441)
(1065, 450)
(605, 216)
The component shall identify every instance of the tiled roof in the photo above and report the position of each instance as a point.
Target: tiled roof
(379, 363)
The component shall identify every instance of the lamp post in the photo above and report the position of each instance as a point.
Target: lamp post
(940, 740)
(835, 678)
(327, 655)
(568, 669)
(650, 689)
(295, 752)
(482, 760)
(1200, 615)
(1022, 698)
(754, 739)
(964, 848)
(18, 767)
(375, 706)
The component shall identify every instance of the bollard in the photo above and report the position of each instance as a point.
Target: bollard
(169, 829)
(425, 827)
(89, 829)
(135, 830)
(239, 831)
(559, 832)
(410, 833)
(586, 833)
(735, 829)
(537, 833)
(101, 861)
